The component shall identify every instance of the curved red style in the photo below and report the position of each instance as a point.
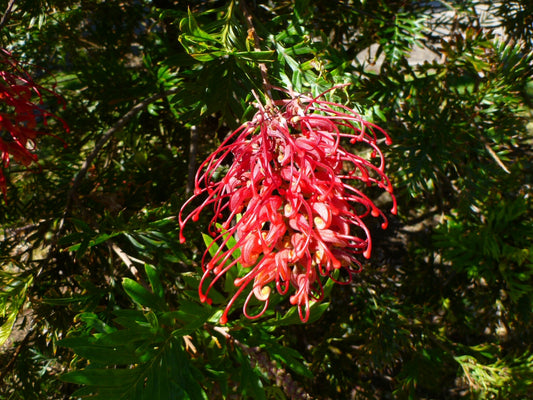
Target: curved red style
(292, 198)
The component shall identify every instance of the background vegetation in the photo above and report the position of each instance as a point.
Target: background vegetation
(97, 297)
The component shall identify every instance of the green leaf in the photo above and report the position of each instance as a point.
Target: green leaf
(82, 225)
(133, 241)
(141, 296)
(210, 244)
(192, 315)
(106, 355)
(88, 241)
(190, 25)
(7, 327)
(153, 278)
(12, 298)
(132, 335)
(93, 322)
(62, 301)
(289, 60)
(167, 373)
(290, 357)
(250, 378)
(81, 248)
(292, 317)
(301, 7)
(199, 44)
(256, 56)
(207, 56)
(103, 377)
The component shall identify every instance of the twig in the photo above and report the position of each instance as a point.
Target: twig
(495, 157)
(251, 31)
(268, 367)
(14, 232)
(15, 355)
(193, 149)
(128, 260)
(7, 13)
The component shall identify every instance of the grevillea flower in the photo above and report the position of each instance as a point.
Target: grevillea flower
(22, 114)
(291, 198)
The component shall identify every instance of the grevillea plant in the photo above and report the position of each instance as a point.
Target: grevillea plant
(22, 114)
(290, 200)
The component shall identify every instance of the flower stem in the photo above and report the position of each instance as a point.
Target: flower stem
(253, 33)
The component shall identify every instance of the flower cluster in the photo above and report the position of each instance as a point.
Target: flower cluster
(290, 201)
(22, 114)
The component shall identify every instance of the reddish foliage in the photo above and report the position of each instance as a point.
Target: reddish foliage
(22, 114)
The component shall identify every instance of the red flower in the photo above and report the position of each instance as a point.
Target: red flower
(292, 199)
(21, 114)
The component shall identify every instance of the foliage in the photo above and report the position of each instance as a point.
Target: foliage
(98, 297)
